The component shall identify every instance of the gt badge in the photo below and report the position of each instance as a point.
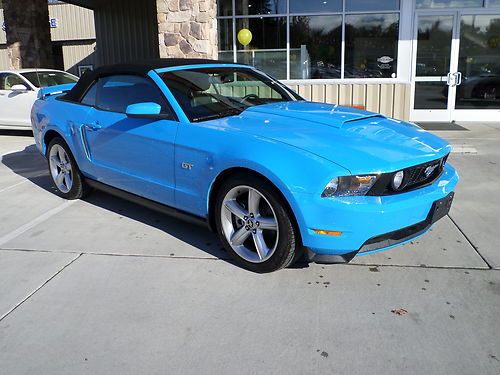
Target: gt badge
(187, 166)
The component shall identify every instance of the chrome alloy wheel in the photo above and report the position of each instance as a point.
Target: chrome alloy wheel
(60, 168)
(249, 224)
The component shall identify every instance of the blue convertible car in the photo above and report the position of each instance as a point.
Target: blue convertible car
(277, 177)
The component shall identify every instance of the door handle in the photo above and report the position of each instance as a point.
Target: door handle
(448, 79)
(458, 78)
(94, 126)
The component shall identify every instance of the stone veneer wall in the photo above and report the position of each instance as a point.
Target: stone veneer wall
(28, 33)
(187, 28)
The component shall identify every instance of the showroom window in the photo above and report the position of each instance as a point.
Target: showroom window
(313, 39)
(442, 4)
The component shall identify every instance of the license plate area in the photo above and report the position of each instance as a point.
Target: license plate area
(440, 208)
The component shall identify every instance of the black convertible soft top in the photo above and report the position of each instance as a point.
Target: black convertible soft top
(137, 68)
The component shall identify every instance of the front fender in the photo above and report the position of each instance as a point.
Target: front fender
(210, 152)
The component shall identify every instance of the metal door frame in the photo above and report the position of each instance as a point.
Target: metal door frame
(450, 113)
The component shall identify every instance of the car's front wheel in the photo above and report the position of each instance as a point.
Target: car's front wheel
(254, 224)
(64, 172)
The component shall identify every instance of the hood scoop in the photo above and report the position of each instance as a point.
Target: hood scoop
(325, 114)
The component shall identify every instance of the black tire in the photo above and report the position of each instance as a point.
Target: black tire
(79, 188)
(288, 248)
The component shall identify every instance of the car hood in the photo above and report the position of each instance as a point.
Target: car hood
(360, 141)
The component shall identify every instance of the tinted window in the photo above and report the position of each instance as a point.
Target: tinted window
(225, 32)
(260, 6)
(90, 96)
(49, 78)
(449, 3)
(363, 5)
(371, 45)
(315, 46)
(116, 93)
(315, 6)
(224, 7)
(267, 49)
(9, 80)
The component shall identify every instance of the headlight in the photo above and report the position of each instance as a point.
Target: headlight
(349, 186)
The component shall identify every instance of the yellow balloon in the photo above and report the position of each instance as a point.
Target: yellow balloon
(244, 36)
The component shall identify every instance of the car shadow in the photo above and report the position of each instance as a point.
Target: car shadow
(32, 166)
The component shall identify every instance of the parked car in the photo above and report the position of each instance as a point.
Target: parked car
(18, 92)
(225, 144)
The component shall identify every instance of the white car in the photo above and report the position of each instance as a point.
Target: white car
(18, 92)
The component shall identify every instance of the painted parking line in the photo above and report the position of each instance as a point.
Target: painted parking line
(33, 223)
(13, 186)
(464, 149)
(21, 182)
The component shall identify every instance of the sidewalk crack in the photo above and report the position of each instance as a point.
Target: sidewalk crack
(39, 287)
(470, 243)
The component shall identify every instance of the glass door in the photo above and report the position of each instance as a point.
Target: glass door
(456, 66)
(478, 90)
(434, 74)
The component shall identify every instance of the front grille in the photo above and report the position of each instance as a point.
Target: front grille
(414, 178)
(423, 174)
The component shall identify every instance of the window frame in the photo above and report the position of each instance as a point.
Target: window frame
(172, 116)
(404, 13)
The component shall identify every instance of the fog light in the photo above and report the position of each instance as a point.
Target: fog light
(327, 232)
(397, 180)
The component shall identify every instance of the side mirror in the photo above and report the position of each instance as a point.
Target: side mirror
(148, 109)
(19, 88)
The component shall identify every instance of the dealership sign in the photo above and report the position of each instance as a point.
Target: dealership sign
(53, 22)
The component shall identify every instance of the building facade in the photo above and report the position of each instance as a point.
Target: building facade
(421, 60)
(73, 38)
(424, 60)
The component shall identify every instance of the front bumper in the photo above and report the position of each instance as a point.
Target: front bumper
(369, 223)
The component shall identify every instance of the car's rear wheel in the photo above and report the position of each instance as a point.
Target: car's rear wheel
(65, 174)
(254, 224)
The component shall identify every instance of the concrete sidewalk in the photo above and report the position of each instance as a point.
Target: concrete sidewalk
(102, 286)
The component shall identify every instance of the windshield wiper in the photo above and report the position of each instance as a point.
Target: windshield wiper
(229, 112)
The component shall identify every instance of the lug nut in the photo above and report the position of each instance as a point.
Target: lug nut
(251, 215)
(245, 217)
(257, 223)
(247, 227)
(254, 231)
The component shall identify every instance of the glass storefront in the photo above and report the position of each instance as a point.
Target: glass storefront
(297, 39)
(449, 4)
(479, 62)
(447, 50)
(457, 60)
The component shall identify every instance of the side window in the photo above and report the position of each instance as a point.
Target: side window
(8, 80)
(116, 93)
(90, 96)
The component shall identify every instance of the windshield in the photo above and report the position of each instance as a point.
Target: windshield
(49, 78)
(209, 93)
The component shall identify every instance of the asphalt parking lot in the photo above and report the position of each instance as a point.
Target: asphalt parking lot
(102, 286)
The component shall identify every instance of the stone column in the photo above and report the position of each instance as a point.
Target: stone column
(28, 33)
(187, 28)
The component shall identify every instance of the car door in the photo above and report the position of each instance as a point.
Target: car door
(130, 153)
(15, 104)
